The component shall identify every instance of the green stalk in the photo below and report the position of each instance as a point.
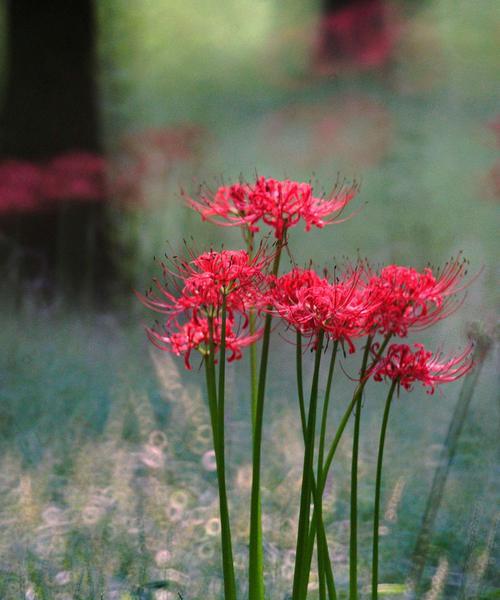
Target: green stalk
(256, 558)
(254, 385)
(300, 382)
(322, 559)
(249, 239)
(326, 468)
(353, 540)
(378, 481)
(307, 476)
(358, 392)
(212, 399)
(210, 377)
(319, 525)
(254, 392)
(219, 444)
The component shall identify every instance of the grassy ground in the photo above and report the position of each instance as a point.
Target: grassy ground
(108, 482)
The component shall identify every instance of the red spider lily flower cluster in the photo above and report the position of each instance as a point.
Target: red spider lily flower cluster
(20, 185)
(312, 304)
(413, 299)
(75, 175)
(406, 366)
(30, 187)
(279, 204)
(355, 304)
(201, 286)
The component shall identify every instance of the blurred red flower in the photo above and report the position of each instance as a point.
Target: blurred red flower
(30, 187)
(75, 176)
(360, 35)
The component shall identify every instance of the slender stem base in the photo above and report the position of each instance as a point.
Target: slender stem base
(307, 476)
(256, 558)
(216, 406)
(353, 537)
(378, 481)
(318, 525)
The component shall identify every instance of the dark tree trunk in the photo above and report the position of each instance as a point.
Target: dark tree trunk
(50, 102)
(333, 5)
(50, 108)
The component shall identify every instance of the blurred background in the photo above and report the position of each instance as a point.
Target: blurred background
(107, 110)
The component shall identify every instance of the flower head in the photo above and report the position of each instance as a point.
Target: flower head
(415, 299)
(200, 284)
(182, 339)
(311, 304)
(292, 298)
(193, 297)
(279, 204)
(406, 366)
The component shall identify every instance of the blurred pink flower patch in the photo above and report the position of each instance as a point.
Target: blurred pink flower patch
(31, 187)
(76, 176)
(20, 186)
(361, 35)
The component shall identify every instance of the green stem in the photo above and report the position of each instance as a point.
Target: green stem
(210, 377)
(256, 558)
(358, 392)
(300, 382)
(307, 476)
(326, 468)
(324, 416)
(323, 561)
(219, 444)
(319, 525)
(353, 540)
(249, 239)
(254, 385)
(378, 481)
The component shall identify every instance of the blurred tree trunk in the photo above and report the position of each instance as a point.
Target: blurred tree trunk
(50, 108)
(329, 6)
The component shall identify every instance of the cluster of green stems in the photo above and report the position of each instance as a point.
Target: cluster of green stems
(311, 528)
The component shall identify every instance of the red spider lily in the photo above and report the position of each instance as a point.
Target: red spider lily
(405, 366)
(31, 187)
(181, 340)
(229, 206)
(312, 304)
(359, 35)
(290, 298)
(201, 283)
(20, 183)
(76, 176)
(279, 204)
(414, 299)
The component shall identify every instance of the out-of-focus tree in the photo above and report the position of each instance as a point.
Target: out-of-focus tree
(52, 214)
